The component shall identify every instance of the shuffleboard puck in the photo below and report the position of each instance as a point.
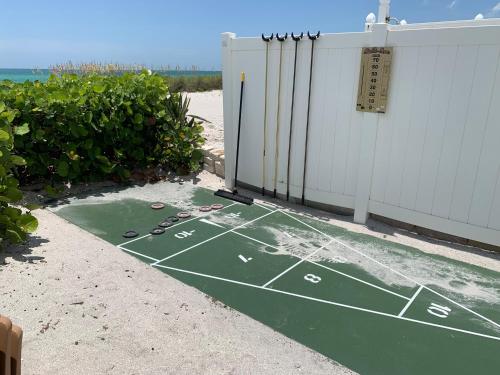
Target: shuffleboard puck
(157, 231)
(165, 224)
(157, 206)
(130, 234)
(183, 215)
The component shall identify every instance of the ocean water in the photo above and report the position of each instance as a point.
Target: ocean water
(21, 75)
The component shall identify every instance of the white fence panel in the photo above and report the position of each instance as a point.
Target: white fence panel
(432, 160)
(334, 130)
(484, 205)
(435, 127)
(472, 137)
(455, 122)
(421, 101)
(442, 169)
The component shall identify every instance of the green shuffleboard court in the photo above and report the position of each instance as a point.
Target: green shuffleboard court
(375, 306)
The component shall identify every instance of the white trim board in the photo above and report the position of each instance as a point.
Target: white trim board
(440, 224)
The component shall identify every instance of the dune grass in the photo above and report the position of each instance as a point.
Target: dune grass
(194, 83)
(178, 80)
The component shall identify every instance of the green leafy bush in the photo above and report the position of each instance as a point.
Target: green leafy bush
(91, 127)
(180, 140)
(14, 224)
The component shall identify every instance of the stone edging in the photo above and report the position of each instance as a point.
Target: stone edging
(213, 160)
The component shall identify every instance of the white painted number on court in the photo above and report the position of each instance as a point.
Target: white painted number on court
(184, 234)
(312, 278)
(438, 310)
(234, 215)
(245, 260)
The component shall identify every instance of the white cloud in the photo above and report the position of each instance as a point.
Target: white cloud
(496, 8)
(452, 4)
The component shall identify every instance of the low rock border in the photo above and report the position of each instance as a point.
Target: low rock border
(213, 160)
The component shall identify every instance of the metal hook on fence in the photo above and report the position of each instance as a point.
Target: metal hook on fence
(297, 38)
(267, 38)
(281, 38)
(313, 37)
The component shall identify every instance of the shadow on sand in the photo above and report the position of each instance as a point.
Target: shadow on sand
(36, 195)
(23, 252)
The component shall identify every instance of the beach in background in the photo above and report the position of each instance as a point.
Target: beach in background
(22, 75)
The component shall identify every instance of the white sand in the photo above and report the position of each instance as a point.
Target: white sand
(209, 106)
(88, 308)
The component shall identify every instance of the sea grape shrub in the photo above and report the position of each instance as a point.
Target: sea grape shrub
(14, 223)
(90, 127)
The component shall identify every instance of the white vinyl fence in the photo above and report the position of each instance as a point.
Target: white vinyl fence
(432, 160)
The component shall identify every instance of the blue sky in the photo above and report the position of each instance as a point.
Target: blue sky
(36, 33)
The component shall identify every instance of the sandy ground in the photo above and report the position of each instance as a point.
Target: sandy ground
(88, 308)
(209, 106)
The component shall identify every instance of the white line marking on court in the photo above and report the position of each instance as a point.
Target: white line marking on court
(328, 268)
(331, 302)
(263, 206)
(246, 260)
(310, 298)
(462, 306)
(410, 301)
(175, 225)
(136, 253)
(256, 240)
(211, 223)
(211, 277)
(213, 238)
(359, 280)
(296, 264)
(393, 270)
(135, 239)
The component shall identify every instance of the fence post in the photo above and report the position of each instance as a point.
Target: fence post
(227, 86)
(377, 38)
(383, 10)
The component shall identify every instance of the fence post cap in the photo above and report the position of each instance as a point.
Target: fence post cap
(226, 37)
(370, 18)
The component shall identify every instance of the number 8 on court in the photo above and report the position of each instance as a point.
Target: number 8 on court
(312, 278)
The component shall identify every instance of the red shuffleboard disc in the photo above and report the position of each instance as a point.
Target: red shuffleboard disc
(183, 215)
(157, 206)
